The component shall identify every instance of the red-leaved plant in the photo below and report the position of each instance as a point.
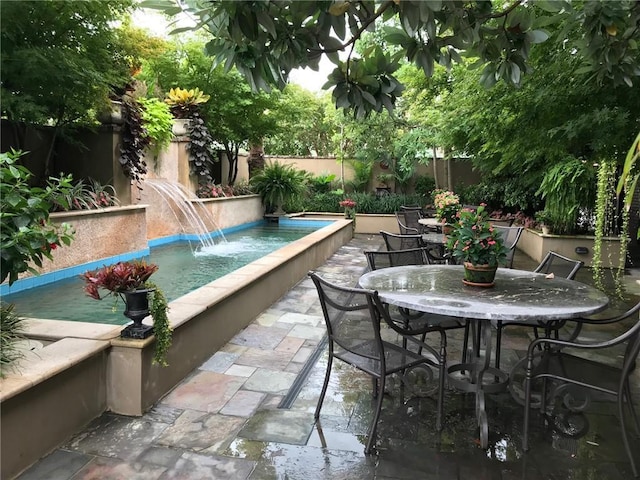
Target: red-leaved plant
(118, 278)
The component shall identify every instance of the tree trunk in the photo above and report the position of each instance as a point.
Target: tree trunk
(256, 158)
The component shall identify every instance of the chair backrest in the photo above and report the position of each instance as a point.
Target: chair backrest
(352, 318)
(408, 222)
(559, 265)
(394, 241)
(510, 236)
(501, 222)
(409, 208)
(382, 259)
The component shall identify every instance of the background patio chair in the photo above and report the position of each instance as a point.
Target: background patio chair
(558, 265)
(382, 259)
(510, 235)
(502, 222)
(433, 251)
(408, 208)
(393, 241)
(562, 364)
(353, 320)
(408, 222)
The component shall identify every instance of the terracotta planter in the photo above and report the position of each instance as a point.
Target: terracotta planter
(479, 275)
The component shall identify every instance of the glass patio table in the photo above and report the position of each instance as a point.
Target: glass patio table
(518, 295)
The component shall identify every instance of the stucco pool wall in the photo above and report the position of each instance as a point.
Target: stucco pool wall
(89, 368)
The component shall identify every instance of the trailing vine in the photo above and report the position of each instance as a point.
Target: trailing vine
(603, 226)
(161, 327)
(624, 239)
(134, 141)
(201, 156)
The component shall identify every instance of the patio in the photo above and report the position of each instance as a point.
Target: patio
(247, 413)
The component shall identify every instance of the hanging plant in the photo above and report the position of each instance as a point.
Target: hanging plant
(201, 154)
(605, 217)
(158, 123)
(135, 141)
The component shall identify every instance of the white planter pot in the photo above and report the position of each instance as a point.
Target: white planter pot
(180, 126)
(113, 115)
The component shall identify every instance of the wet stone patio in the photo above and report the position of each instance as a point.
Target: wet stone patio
(247, 413)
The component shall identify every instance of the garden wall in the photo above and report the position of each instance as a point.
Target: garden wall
(536, 245)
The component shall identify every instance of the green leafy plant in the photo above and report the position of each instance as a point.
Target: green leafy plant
(567, 187)
(161, 327)
(278, 183)
(474, 240)
(26, 233)
(201, 153)
(11, 331)
(158, 123)
(543, 217)
(362, 169)
(424, 186)
(321, 183)
(81, 196)
(129, 276)
(184, 103)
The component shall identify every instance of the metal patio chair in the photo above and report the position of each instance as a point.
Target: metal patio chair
(353, 319)
(434, 251)
(570, 374)
(558, 265)
(394, 241)
(393, 258)
(408, 222)
(510, 235)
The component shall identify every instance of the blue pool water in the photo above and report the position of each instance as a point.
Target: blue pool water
(182, 268)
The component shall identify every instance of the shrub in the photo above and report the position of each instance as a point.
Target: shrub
(26, 234)
(81, 196)
(11, 328)
(425, 185)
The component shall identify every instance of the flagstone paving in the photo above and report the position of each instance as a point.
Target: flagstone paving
(247, 413)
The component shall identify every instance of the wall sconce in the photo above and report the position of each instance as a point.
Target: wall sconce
(582, 250)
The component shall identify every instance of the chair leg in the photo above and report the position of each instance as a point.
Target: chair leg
(323, 392)
(498, 343)
(465, 342)
(527, 404)
(625, 439)
(374, 423)
(442, 373)
(632, 408)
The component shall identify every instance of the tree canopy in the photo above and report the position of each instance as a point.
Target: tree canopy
(59, 59)
(265, 40)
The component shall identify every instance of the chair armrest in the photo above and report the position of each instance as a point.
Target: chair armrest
(585, 346)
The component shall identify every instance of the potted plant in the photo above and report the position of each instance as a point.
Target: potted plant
(349, 208)
(278, 184)
(158, 122)
(480, 247)
(183, 104)
(447, 206)
(543, 219)
(130, 282)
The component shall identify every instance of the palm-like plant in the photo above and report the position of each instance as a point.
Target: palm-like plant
(278, 184)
